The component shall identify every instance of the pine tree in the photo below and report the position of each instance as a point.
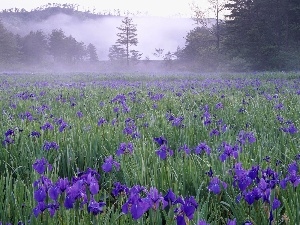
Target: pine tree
(126, 38)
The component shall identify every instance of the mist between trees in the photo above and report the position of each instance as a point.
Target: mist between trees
(254, 36)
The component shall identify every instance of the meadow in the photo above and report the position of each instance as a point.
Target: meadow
(150, 149)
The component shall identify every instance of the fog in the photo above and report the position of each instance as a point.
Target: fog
(152, 32)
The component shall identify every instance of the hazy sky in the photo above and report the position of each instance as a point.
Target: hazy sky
(153, 7)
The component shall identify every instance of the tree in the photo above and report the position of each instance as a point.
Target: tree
(116, 53)
(200, 48)
(57, 44)
(9, 52)
(34, 47)
(261, 31)
(158, 52)
(126, 38)
(92, 53)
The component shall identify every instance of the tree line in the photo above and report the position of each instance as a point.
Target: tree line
(37, 48)
(255, 35)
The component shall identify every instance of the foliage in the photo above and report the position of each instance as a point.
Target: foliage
(168, 149)
(126, 38)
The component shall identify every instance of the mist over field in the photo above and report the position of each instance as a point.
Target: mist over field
(62, 38)
(152, 32)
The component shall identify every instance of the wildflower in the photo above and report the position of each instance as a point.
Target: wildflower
(62, 126)
(62, 183)
(101, 121)
(125, 148)
(243, 137)
(214, 132)
(116, 109)
(177, 122)
(170, 196)
(186, 210)
(163, 152)
(219, 105)
(7, 141)
(160, 140)
(35, 134)
(50, 145)
(79, 114)
(40, 208)
(202, 222)
(228, 151)
(119, 188)
(9, 132)
(231, 222)
(47, 126)
(214, 185)
(155, 198)
(279, 106)
(186, 149)
(136, 205)
(202, 147)
(291, 129)
(276, 204)
(40, 165)
(40, 194)
(54, 192)
(109, 163)
(95, 207)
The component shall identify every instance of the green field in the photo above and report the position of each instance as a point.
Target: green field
(185, 148)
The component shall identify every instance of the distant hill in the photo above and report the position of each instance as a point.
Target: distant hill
(99, 29)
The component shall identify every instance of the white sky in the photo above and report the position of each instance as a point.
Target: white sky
(153, 7)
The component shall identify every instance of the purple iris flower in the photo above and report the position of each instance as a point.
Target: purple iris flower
(291, 129)
(74, 192)
(186, 209)
(7, 141)
(40, 194)
(48, 145)
(79, 114)
(109, 163)
(62, 183)
(170, 196)
(40, 165)
(202, 147)
(214, 132)
(202, 222)
(185, 149)
(160, 140)
(119, 189)
(62, 127)
(231, 222)
(135, 205)
(35, 134)
(177, 122)
(101, 121)
(228, 151)
(155, 199)
(47, 126)
(292, 176)
(215, 185)
(9, 132)
(125, 148)
(244, 136)
(40, 208)
(219, 105)
(52, 208)
(54, 191)
(163, 152)
(95, 207)
(276, 204)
